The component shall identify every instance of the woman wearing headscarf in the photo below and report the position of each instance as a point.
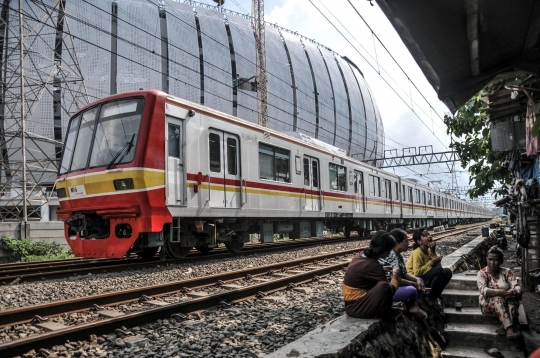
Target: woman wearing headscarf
(410, 287)
(366, 292)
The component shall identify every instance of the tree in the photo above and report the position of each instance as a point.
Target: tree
(486, 167)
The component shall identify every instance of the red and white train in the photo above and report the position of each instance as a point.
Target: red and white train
(143, 170)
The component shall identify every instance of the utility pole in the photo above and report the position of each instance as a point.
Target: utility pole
(257, 13)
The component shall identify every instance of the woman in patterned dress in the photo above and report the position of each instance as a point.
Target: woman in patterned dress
(500, 293)
(410, 287)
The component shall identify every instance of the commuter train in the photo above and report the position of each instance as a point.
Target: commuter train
(143, 170)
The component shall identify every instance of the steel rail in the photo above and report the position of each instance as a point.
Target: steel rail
(38, 273)
(24, 314)
(82, 331)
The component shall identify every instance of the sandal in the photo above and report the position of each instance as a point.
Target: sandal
(494, 352)
(501, 331)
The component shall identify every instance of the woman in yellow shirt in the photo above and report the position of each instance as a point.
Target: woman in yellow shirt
(426, 264)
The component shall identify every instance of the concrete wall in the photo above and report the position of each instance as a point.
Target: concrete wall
(51, 231)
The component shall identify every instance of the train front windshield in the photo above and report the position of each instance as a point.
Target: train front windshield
(104, 135)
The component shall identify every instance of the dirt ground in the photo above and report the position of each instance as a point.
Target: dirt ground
(531, 303)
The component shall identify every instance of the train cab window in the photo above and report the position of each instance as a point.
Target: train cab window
(429, 199)
(173, 140)
(338, 177)
(86, 130)
(410, 194)
(374, 186)
(214, 142)
(274, 163)
(232, 150)
(396, 191)
(117, 132)
(417, 196)
(70, 143)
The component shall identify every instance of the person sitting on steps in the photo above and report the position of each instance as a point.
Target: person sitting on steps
(366, 292)
(426, 264)
(410, 287)
(500, 293)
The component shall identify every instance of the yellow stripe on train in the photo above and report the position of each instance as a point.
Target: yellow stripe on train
(103, 183)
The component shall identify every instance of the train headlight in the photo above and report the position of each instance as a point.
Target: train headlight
(124, 184)
(61, 192)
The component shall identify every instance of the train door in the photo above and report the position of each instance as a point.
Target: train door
(312, 189)
(224, 155)
(359, 203)
(388, 207)
(175, 164)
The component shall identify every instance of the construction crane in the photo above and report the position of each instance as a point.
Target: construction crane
(257, 13)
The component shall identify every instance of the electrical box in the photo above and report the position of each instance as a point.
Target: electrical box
(267, 232)
(317, 228)
(301, 229)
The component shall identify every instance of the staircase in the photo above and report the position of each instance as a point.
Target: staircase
(469, 332)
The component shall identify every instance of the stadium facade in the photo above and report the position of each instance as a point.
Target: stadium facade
(198, 52)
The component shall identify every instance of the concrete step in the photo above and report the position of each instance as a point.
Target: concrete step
(463, 282)
(473, 315)
(467, 298)
(468, 352)
(468, 315)
(479, 336)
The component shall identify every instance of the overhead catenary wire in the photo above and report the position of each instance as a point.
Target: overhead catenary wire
(384, 79)
(154, 69)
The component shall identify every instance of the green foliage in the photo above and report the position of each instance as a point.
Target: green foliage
(485, 166)
(28, 250)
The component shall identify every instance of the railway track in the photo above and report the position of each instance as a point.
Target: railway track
(172, 300)
(56, 269)
(39, 271)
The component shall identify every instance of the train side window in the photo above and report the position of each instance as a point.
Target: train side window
(215, 152)
(315, 171)
(374, 186)
(388, 189)
(359, 183)
(338, 177)
(173, 139)
(403, 193)
(429, 199)
(306, 172)
(417, 196)
(396, 187)
(438, 201)
(410, 195)
(232, 149)
(424, 197)
(274, 163)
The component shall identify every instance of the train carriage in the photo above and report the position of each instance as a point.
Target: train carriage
(144, 170)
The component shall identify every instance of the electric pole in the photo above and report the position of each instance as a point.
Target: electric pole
(257, 13)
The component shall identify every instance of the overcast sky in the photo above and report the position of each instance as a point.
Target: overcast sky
(403, 126)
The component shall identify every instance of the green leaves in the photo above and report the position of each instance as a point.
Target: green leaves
(475, 152)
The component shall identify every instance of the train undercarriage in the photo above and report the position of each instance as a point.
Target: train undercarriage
(178, 238)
